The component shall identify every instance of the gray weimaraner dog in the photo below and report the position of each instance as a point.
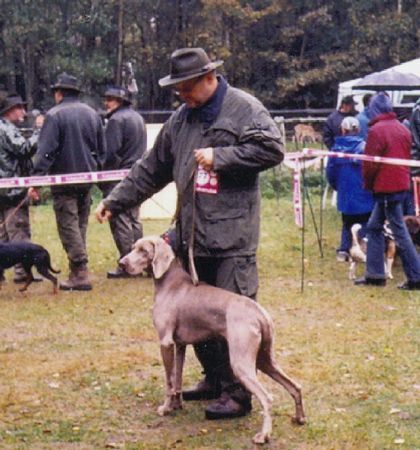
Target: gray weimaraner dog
(187, 314)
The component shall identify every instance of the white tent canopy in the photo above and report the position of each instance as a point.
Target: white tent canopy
(399, 98)
(163, 204)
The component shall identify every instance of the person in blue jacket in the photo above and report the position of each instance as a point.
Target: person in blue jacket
(364, 117)
(345, 176)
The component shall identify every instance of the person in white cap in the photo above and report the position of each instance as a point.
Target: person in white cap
(345, 176)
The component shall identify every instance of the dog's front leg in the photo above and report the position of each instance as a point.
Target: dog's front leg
(168, 357)
(179, 365)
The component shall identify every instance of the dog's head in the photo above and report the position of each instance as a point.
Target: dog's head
(413, 226)
(149, 252)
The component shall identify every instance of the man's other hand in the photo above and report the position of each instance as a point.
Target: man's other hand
(33, 194)
(205, 157)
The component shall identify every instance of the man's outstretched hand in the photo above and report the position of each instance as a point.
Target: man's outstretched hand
(102, 214)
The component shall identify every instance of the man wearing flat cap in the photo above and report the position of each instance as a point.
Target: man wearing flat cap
(126, 141)
(15, 161)
(71, 141)
(213, 146)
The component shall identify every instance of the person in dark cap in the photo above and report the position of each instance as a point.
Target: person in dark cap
(71, 141)
(332, 127)
(364, 116)
(126, 141)
(388, 138)
(213, 146)
(15, 161)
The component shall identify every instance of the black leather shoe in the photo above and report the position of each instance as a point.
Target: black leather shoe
(365, 281)
(118, 273)
(225, 407)
(410, 286)
(21, 280)
(203, 391)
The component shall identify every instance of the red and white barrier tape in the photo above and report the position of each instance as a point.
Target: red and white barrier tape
(116, 175)
(68, 178)
(294, 159)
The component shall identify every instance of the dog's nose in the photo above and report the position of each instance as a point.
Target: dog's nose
(122, 263)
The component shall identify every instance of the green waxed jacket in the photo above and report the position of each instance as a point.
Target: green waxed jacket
(246, 141)
(15, 160)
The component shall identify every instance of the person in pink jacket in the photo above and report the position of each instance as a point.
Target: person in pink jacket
(387, 137)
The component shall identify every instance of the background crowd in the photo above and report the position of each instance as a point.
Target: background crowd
(371, 193)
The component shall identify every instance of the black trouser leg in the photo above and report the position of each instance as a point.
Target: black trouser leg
(239, 275)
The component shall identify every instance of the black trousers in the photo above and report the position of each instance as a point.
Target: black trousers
(236, 274)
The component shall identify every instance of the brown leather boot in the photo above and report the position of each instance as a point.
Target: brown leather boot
(78, 279)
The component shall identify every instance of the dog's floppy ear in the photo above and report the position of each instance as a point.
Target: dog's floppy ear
(162, 257)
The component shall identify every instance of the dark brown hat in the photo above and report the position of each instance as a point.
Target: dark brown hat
(66, 81)
(118, 92)
(188, 63)
(348, 100)
(10, 101)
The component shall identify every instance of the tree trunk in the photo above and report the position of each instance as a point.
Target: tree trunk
(120, 50)
(28, 63)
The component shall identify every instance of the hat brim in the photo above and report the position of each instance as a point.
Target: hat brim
(69, 87)
(9, 107)
(123, 100)
(169, 80)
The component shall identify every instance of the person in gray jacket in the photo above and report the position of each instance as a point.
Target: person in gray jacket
(126, 141)
(71, 141)
(213, 146)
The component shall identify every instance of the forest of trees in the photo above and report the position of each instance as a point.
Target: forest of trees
(289, 53)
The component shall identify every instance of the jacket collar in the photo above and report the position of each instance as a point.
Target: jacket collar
(384, 116)
(69, 99)
(119, 108)
(208, 112)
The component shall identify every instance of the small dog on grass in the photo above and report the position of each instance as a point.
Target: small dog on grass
(359, 247)
(29, 255)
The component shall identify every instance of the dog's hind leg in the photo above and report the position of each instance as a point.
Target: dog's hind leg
(268, 365)
(29, 279)
(242, 354)
(44, 271)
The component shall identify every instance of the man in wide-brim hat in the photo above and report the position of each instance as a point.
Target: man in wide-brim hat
(12, 101)
(66, 82)
(126, 141)
(213, 147)
(71, 141)
(15, 161)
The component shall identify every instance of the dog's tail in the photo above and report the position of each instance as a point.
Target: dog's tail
(53, 270)
(49, 265)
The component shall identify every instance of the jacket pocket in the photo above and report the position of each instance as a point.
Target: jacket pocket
(227, 230)
(246, 275)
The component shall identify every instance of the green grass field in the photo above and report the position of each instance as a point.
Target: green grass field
(83, 370)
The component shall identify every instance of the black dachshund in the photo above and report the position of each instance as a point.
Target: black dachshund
(29, 255)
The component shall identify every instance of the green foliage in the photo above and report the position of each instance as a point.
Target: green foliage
(278, 182)
(290, 54)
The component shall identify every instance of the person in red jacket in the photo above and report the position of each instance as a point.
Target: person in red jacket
(387, 137)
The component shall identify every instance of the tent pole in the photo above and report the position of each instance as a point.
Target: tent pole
(321, 212)
(302, 270)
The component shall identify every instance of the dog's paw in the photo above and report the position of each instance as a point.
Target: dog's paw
(163, 410)
(260, 438)
(176, 404)
(299, 420)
